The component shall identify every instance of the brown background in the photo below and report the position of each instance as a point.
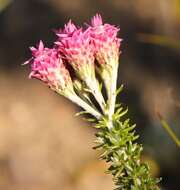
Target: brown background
(42, 145)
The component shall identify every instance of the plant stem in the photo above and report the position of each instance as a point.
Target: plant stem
(95, 90)
(123, 154)
(112, 94)
(77, 100)
(169, 130)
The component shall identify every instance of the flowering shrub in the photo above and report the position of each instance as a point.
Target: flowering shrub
(70, 68)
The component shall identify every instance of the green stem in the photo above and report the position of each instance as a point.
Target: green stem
(169, 131)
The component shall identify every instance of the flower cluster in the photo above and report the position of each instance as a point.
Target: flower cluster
(70, 68)
(80, 52)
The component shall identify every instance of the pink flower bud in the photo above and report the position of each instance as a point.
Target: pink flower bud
(47, 66)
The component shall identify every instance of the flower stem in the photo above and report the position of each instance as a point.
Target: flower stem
(95, 90)
(77, 100)
(112, 94)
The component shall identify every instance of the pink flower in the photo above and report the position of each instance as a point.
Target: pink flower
(106, 46)
(47, 66)
(75, 45)
(105, 41)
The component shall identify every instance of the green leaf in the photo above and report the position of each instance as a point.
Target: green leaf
(119, 89)
(81, 113)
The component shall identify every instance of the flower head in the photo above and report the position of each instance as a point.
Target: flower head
(106, 46)
(47, 66)
(105, 41)
(75, 45)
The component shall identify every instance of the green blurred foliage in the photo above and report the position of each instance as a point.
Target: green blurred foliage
(4, 4)
(159, 40)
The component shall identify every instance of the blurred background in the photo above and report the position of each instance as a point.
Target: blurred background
(42, 145)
